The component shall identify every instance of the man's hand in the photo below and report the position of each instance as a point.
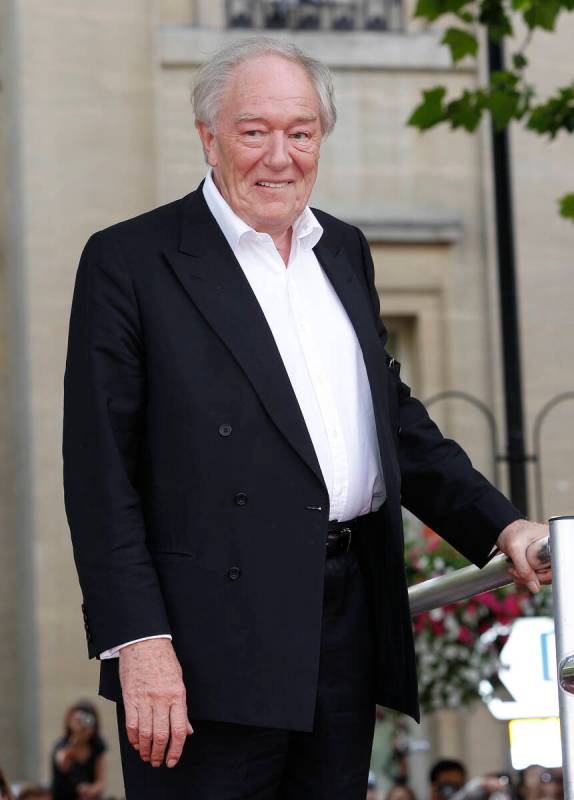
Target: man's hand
(514, 541)
(154, 700)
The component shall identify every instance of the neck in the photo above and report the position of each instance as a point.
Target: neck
(283, 244)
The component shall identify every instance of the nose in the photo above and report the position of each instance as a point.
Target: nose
(277, 154)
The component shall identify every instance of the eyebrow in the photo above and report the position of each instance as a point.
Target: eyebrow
(254, 118)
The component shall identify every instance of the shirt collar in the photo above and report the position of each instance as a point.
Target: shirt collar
(306, 227)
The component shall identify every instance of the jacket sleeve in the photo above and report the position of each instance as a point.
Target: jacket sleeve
(104, 409)
(438, 482)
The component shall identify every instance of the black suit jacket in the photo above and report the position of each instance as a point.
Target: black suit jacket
(193, 493)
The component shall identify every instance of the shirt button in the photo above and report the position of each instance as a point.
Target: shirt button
(233, 573)
(241, 498)
(225, 429)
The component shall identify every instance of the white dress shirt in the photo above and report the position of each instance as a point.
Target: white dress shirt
(321, 355)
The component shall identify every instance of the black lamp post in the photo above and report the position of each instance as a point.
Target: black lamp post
(515, 444)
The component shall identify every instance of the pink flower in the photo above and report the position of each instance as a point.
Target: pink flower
(489, 600)
(511, 605)
(465, 636)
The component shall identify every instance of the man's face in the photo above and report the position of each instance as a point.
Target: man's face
(265, 150)
(447, 783)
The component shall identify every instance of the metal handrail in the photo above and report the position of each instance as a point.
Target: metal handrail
(467, 582)
(562, 546)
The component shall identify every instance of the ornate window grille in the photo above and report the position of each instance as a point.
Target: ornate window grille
(313, 15)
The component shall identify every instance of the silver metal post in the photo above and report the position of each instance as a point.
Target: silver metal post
(562, 549)
(467, 582)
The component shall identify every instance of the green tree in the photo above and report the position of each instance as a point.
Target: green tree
(509, 96)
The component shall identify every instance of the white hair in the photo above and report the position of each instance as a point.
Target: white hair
(213, 77)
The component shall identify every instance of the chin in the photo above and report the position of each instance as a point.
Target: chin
(279, 216)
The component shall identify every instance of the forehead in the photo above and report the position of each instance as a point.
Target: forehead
(450, 775)
(266, 84)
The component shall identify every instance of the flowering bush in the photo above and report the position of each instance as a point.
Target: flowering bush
(459, 646)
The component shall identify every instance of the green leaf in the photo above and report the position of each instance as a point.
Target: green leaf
(521, 5)
(466, 111)
(493, 15)
(433, 9)
(542, 14)
(504, 79)
(429, 9)
(466, 16)
(503, 107)
(461, 43)
(506, 98)
(431, 111)
(555, 114)
(567, 206)
(519, 61)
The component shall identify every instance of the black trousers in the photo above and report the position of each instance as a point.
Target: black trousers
(223, 761)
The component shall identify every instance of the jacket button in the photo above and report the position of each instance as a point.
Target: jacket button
(241, 499)
(225, 429)
(233, 573)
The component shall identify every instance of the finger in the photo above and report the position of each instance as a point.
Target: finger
(160, 734)
(145, 732)
(525, 572)
(515, 576)
(179, 726)
(132, 726)
(545, 576)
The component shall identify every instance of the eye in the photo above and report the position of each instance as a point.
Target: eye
(253, 134)
(300, 136)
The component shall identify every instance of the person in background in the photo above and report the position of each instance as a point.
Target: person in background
(528, 781)
(35, 793)
(5, 792)
(446, 778)
(78, 760)
(492, 786)
(400, 791)
(372, 792)
(550, 785)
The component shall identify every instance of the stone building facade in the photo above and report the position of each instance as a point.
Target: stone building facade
(96, 126)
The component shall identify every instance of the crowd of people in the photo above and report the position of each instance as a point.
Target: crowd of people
(449, 780)
(78, 772)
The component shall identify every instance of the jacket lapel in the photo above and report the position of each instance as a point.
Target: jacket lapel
(212, 277)
(352, 294)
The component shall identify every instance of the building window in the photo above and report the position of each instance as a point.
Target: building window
(312, 15)
(402, 344)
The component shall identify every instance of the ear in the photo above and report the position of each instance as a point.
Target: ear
(207, 137)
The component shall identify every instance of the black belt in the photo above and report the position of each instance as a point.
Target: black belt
(340, 535)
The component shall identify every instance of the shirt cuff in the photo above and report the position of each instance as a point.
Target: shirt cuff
(114, 652)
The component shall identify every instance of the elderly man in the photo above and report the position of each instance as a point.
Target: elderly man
(235, 441)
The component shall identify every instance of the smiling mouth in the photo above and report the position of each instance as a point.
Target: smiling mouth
(274, 184)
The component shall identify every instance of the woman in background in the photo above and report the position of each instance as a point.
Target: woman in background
(5, 792)
(78, 760)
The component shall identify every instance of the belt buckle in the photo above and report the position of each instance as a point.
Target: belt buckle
(350, 532)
